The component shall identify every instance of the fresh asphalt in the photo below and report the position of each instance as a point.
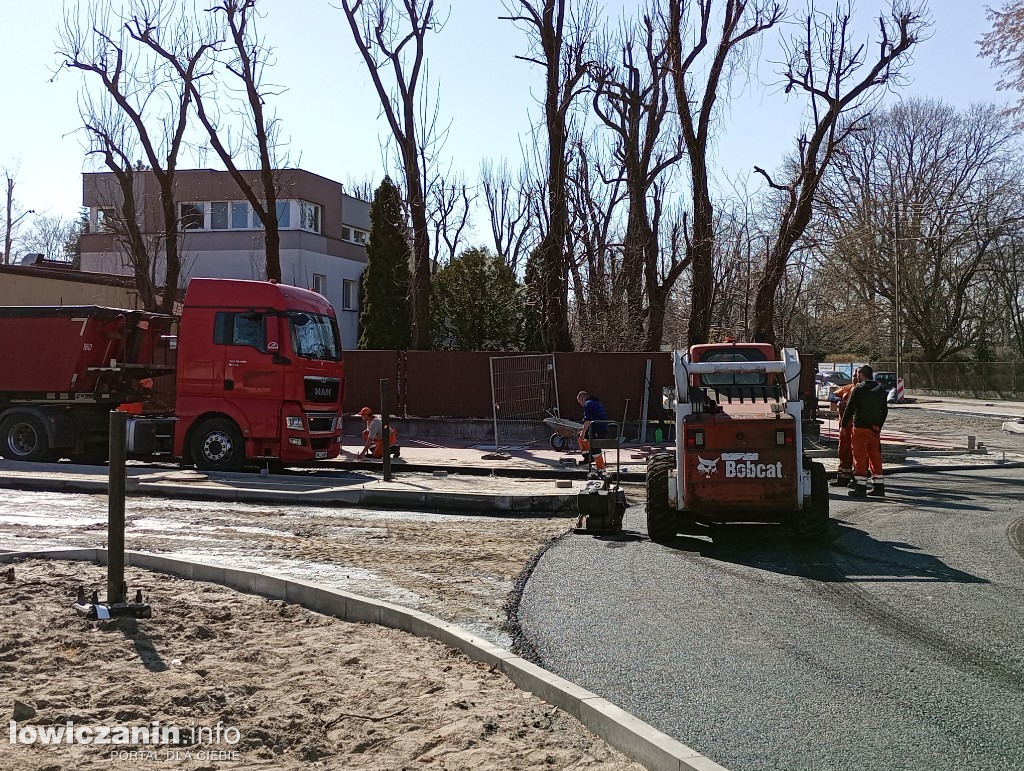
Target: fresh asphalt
(897, 645)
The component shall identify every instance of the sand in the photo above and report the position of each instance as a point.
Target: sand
(301, 690)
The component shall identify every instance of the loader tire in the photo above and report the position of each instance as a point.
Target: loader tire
(812, 520)
(661, 517)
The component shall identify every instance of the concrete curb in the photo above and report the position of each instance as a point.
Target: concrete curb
(626, 733)
(496, 503)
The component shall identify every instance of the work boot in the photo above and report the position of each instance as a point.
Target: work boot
(396, 452)
(858, 491)
(852, 483)
(841, 481)
(877, 490)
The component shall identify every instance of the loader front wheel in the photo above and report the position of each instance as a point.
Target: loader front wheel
(661, 517)
(812, 520)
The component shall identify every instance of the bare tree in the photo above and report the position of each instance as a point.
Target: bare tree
(450, 205)
(916, 205)
(559, 43)
(53, 236)
(507, 201)
(699, 74)
(392, 36)
(842, 86)
(244, 55)
(153, 101)
(13, 216)
(631, 97)
(1004, 45)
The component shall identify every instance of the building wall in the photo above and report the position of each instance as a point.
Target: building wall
(17, 290)
(240, 253)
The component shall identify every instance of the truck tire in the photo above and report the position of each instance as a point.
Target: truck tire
(661, 517)
(812, 520)
(23, 437)
(217, 445)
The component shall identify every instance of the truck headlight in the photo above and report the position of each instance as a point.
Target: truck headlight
(293, 423)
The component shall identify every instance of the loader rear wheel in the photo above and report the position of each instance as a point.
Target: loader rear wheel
(661, 517)
(23, 437)
(812, 520)
(217, 445)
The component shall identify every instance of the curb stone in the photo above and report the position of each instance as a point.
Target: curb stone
(626, 733)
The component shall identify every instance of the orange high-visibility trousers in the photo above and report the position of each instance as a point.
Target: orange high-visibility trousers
(377, 451)
(867, 453)
(597, 455)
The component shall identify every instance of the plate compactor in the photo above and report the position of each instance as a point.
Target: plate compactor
(602, 504)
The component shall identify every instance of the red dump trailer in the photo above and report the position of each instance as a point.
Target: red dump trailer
(251, 373)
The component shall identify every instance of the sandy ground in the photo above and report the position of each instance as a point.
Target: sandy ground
(458, 567)
(302, 690)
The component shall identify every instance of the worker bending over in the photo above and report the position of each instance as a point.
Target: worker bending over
(595, 426)
(373, 441)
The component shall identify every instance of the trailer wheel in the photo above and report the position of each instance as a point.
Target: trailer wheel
(23, 437)
(217, 445)
(559, 443)
(812, 520)
(661, 517)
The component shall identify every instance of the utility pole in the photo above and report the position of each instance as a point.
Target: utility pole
(896, 309)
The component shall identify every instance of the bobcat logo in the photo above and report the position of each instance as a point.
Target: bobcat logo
(707, 467)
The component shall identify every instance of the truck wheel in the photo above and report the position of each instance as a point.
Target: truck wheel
(812, 520)
(217, 445)
(661, 517)
(23, 437)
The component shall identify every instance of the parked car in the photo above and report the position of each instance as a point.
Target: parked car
(827, 382)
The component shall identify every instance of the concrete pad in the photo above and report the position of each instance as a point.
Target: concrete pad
(1014, 427)
(656, 750)
(551, 688)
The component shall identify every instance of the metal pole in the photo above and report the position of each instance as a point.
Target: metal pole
(896, 261)
(115, 507)
(494, 404)
(385, 427)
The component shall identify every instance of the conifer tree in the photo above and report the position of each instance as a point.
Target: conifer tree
(384, 320)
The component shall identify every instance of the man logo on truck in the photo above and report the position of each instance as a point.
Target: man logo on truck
(740, 465)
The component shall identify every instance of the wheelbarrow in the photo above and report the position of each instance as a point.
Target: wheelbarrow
(566, 433)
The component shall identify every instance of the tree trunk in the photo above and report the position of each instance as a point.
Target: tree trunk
(702, 250)
(171, 247)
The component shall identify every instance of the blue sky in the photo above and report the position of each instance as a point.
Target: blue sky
(330, 110)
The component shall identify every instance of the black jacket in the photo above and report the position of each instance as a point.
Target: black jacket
(868, 406)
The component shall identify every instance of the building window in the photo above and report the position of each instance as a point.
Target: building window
(219, 215)
(240, 215)
(319, 283)
(309, 216)
(349, 295)
(284, 211)
(105, 219)
(346, 234)
(192, 216)
(360, 236)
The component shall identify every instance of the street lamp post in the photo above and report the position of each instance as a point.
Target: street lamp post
(898, 344)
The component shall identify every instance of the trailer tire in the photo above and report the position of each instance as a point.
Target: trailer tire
(812, 520)
(23, 437)
(217, 445)
(662, 523)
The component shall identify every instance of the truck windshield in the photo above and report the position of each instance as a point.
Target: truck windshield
(734, 354)
(314, 336)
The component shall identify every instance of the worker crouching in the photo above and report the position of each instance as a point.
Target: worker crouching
(373, 436)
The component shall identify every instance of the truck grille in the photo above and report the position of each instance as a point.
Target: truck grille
(321, 424)
(322, 389)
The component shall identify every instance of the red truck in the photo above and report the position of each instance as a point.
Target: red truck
(251, 373)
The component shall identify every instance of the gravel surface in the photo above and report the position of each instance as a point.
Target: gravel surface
(899, 645)
(956, 426)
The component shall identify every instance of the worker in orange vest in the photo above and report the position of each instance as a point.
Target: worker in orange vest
(373, 436)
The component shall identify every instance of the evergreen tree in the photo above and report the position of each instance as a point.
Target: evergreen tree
(384, 320)
(477, 304)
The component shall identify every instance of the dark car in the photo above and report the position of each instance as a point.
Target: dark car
(888, 379)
